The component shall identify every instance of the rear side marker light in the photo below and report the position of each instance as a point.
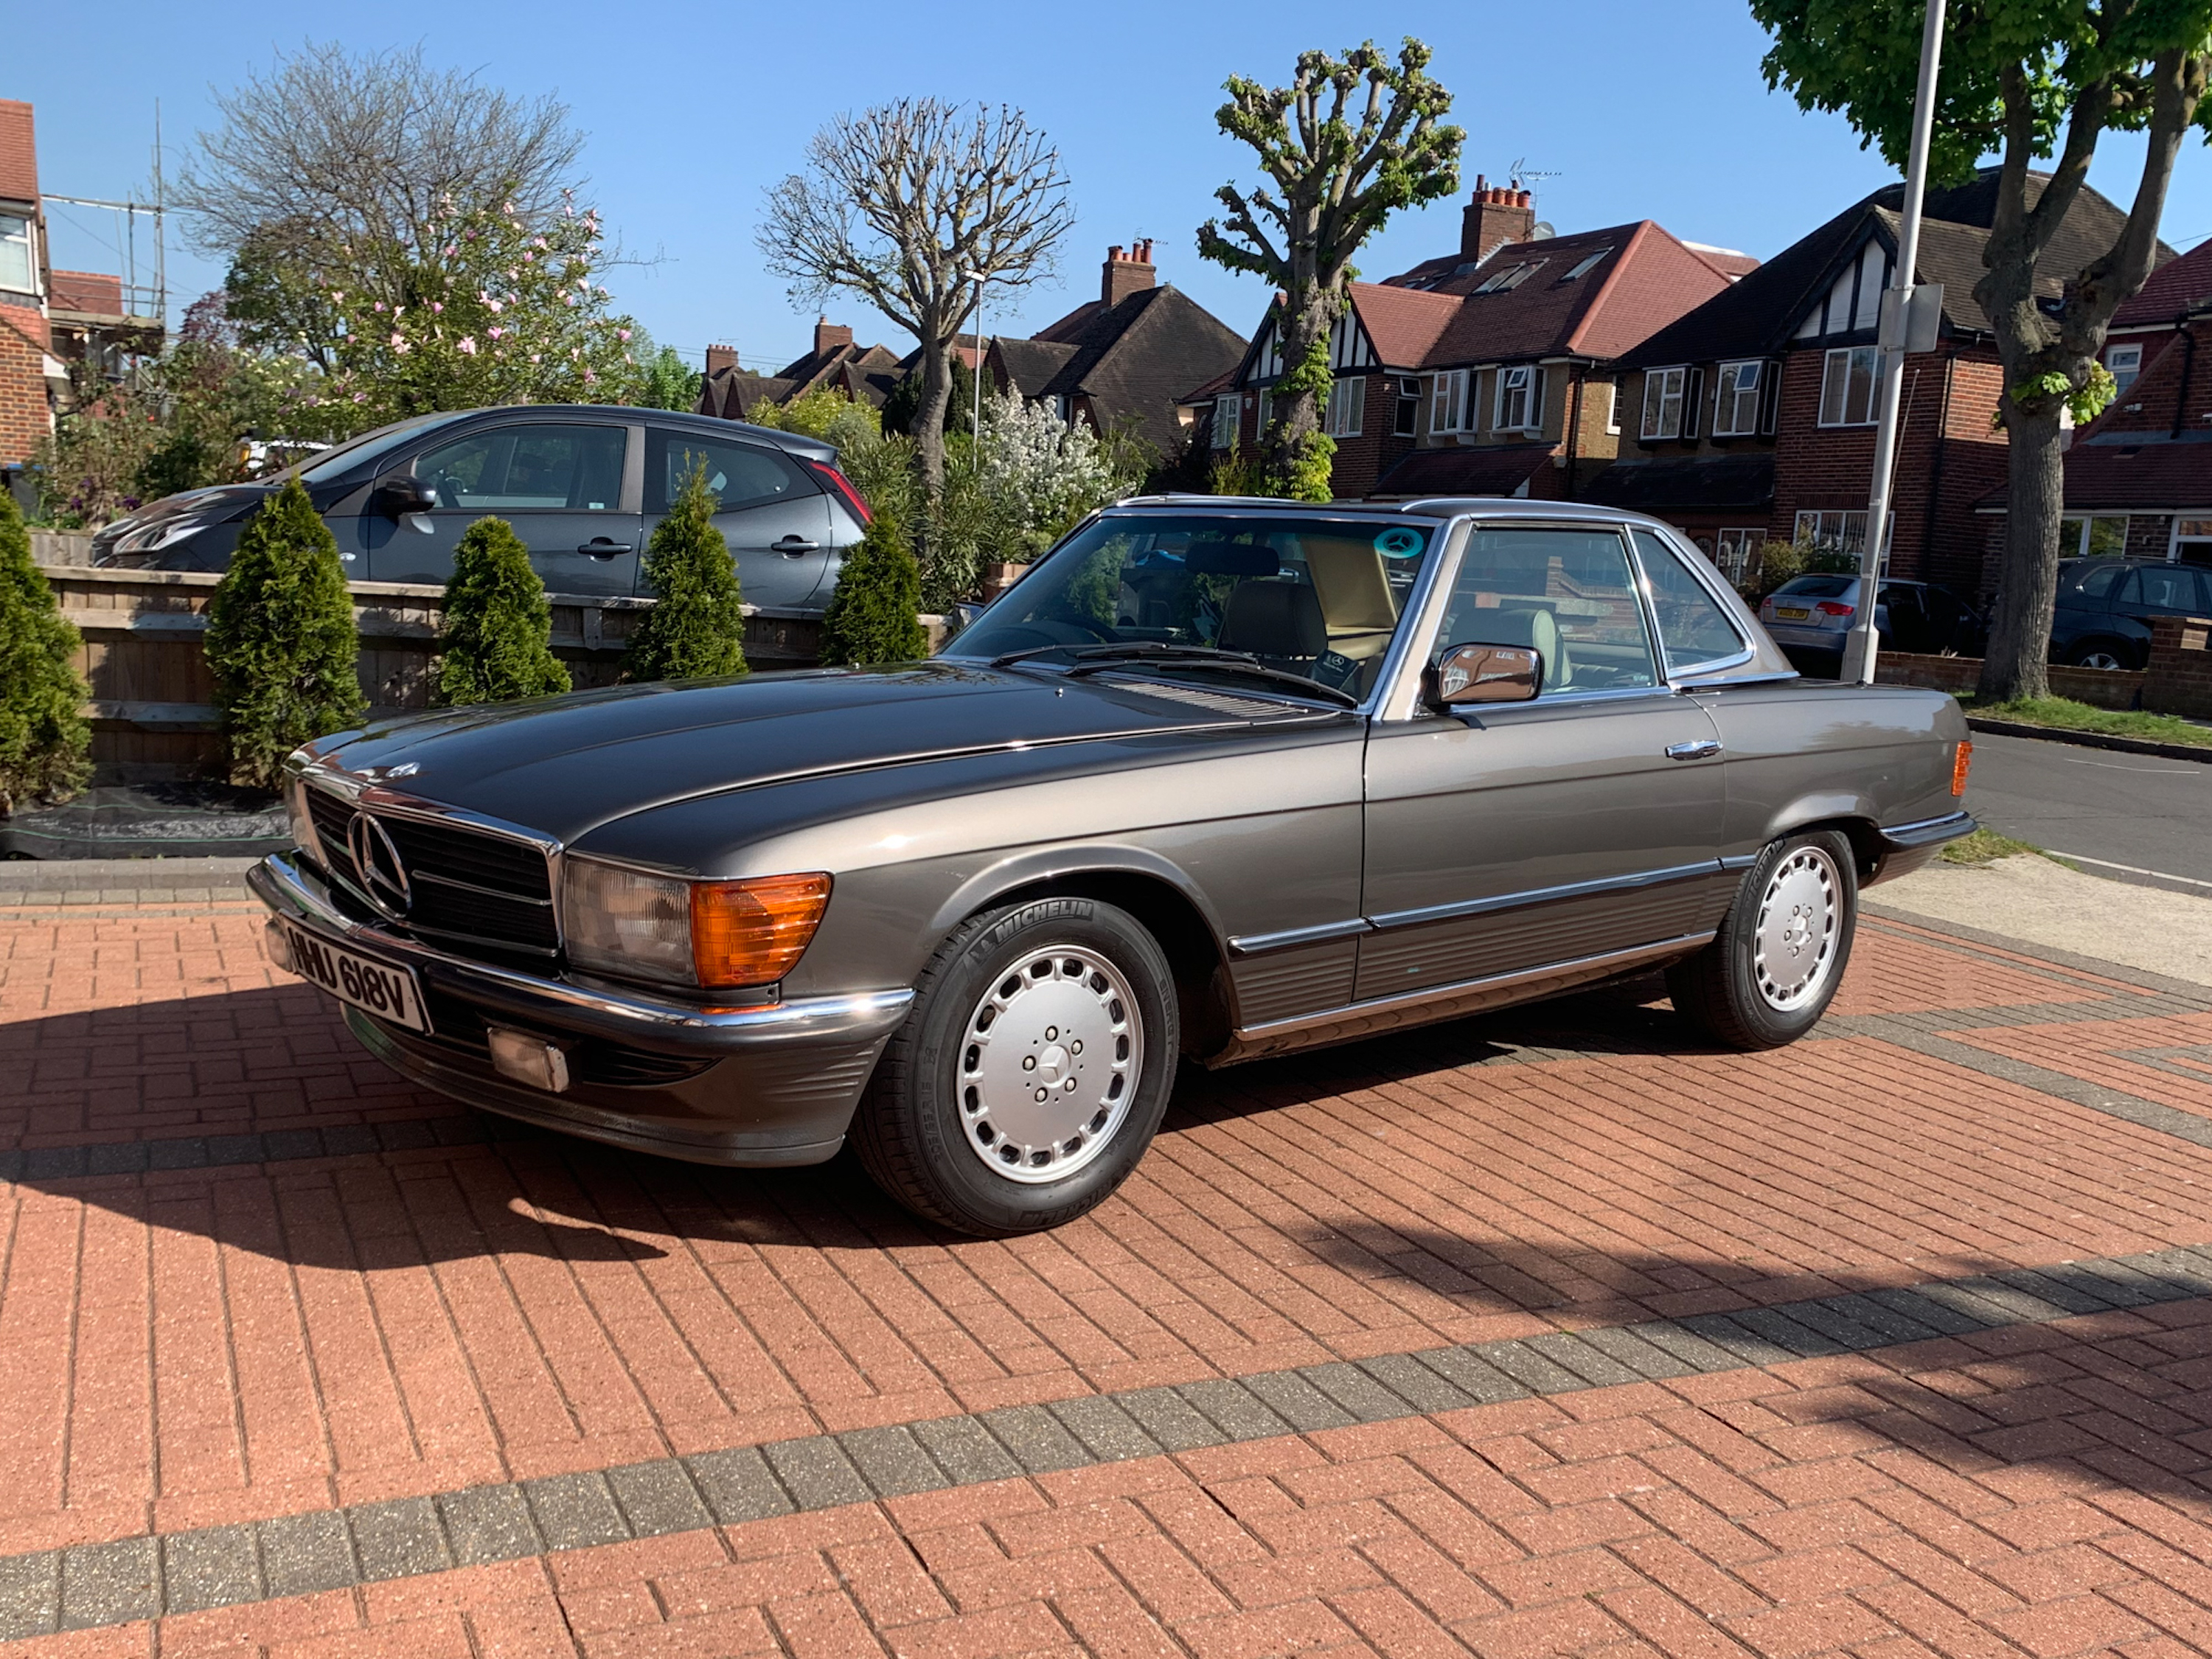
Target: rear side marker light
(1959, 765)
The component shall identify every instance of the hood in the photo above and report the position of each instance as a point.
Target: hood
(566, 765)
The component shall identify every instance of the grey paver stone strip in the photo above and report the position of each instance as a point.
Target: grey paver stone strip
(1583, 1357)
(2023, 1306)
(113, 1583)
(1985, 1312)
(1235, 1409)
(1884, 1321)
(1646, 1359)
(1107, 1431)
(1170, 1420)
(1355, 1391)
(1465, 1368)
(1833, 1323)
(2124, 1286)
(658, 1498)
(118, 1157)
(304, 1554)
(1924, 1310)
(1749, 1347)
(891, 1460)
(2059, 1287)
(1532, 1370)
(488, 1523)
(2185, 1274)
(817, 1472)
(576, 1511)
(213, 1567)
(182, 1152)
(1292, 1397)
(737, 1485)
(963, 1449)
(1035, 1438)
(1425, 1389)
(397, 1538)
(30, 1594)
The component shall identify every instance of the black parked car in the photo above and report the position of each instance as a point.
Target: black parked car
(2106, 608)
(582, 485)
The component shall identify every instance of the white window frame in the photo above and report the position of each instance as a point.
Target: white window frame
(1226, 413)
(1733, 549)
(1347, 406)
(1448, 401)
(1663, 387)
(2132, 350)
(28, 241)
(1266, 411)
(1587, 263)
(1613, 406)
(1521, 385)
(1849, 357)
(1842, 530)
(1729, 400)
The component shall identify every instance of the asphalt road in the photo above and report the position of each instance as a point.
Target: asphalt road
(2138, 810)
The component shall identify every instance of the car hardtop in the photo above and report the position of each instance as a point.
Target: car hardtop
(1494, 508)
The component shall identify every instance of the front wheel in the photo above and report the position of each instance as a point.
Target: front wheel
(1031, 1073)
(1770, 971)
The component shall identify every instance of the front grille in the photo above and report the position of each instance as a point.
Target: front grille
(481, 894)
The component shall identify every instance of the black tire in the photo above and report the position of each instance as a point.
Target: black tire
(922, 1129)
(2102, 653)
(1727, 989)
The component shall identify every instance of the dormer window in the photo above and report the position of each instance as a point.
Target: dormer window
(1587, 263)
(18, 270)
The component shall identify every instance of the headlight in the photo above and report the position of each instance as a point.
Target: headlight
(718, 935)
(155, 536)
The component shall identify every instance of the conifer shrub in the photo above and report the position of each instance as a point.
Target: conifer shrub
(496, 642)
(696, 630)
(281, 642)
(872, 613)
(44, 744)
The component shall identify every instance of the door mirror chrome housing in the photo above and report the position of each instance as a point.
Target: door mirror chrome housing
(1469, 674)
(397, 497)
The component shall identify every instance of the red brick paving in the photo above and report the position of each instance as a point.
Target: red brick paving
(192, 1347)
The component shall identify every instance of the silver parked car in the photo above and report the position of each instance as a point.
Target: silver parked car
(1217, 779)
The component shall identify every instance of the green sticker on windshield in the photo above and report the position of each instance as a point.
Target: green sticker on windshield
(1399, 544)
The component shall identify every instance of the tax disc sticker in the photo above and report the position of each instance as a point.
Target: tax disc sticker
(1399, 544)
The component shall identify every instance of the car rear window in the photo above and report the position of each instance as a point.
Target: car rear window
(1816, 588)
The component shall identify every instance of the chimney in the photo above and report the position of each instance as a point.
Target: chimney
(1493, 215)
(1124, 274)
(719, 357)
(829, 336)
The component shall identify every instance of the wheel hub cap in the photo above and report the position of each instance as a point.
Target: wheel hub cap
(1793, 950)
(1048, 1065)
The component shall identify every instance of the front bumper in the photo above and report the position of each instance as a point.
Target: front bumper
(774, 1084)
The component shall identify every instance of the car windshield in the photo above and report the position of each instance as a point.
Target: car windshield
(1313, 597)
(369, 447)
(1816, 588)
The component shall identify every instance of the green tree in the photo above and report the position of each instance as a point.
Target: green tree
(2023, 79)
(696, 630)
(281, 642)
(665, 379)
(495, 645)
(44, 744)
(872, 617)
(1340, 164)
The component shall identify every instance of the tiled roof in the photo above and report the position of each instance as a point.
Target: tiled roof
(1135, 361)
(19, 153)
(1715, 481)
(88, 292)
(1030, 365)
(2181, 284)
(1484, 469)
(1207, 391)
(2155, 472)
(1404, 324)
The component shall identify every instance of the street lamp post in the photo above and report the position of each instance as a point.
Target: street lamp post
(979, 277)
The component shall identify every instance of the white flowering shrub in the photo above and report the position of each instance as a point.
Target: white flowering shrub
(1037, 475)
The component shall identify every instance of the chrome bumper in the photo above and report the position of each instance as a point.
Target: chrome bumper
(295, 893)
(1927, 832)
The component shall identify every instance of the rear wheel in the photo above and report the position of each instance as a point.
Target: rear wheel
(1770, 971)
(1032, 1072)
(2100, 654)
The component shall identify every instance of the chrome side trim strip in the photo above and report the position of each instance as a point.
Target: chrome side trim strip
(1252, 944)
(1408, 1001)
(1927, 832)
(1572, 890)
(1741, 860)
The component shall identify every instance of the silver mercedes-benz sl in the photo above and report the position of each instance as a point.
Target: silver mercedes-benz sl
(1217, 779)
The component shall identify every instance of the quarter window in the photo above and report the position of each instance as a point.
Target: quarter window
(509, 469)
(1662, 402)
(1520, 398)
(1735, 415)
(1847, 379)
(1569, 595)
(1693, 629)
(1347, 399)
(738, 474)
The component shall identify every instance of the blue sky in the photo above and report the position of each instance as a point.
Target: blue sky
(1640, 111)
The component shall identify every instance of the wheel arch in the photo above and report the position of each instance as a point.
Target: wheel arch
(1853, 817)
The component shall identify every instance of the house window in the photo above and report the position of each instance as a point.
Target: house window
(1841, 533)
(1266, 411)
(1448, 402)
(1613, 406)
(1520, 398)
(16, 265)
(1226, 412)
(2124, 362)
(1584, 265)
(1847, 386)
(1662, 402)
(1347, 400)
(1734, 550)
(2093, 537)
(1405, 419)
(1736, 413)
(1511, 278)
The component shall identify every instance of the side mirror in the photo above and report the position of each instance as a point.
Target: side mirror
(1470, 674)
(396, 497)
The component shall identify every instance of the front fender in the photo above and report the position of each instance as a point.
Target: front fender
(1031, 866)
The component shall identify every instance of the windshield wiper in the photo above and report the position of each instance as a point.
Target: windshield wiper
(1138, 654)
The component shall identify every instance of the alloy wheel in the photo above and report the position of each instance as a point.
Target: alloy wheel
(1049, 1062)
(1793, 948)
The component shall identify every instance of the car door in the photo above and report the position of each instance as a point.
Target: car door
(564, 485)
(1904, 621)
(1584, 822)
(772, 513)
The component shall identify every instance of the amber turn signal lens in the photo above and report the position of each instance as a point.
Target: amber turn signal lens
(1966, 758)
(753, 933)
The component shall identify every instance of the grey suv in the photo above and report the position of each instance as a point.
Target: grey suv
(2106, 606)
(582, 485)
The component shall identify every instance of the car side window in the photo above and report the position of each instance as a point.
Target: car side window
(1570, 595)
(566, 467)
(2171, 587)
(1693, 628)
(742, 475)
(2098, 582)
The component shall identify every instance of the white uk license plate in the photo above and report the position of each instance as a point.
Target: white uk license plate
(375, 987)
(1791, 613)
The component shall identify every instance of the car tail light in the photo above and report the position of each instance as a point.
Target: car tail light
(753, 933)
(842, 487)
(1831, 608)
(1959, 762)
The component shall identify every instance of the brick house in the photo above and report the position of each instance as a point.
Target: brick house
(1753, 418)
(1488, 371)
(2139, 477)
(864, 374)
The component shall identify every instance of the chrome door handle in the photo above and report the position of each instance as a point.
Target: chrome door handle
(1697, 749)
(600, 548)
(793, 546)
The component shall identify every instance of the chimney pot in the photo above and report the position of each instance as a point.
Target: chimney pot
(1496, 214)
(1524, 199)
(829, 336)
(719, 357)
(1121, 276)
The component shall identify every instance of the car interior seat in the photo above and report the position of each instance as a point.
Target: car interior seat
(1278, 621)
(1530, 625)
